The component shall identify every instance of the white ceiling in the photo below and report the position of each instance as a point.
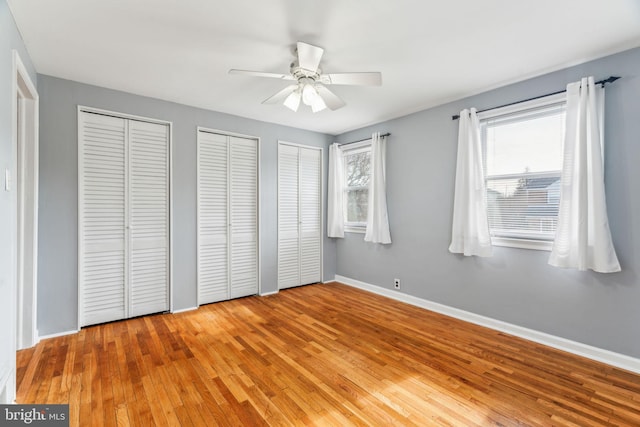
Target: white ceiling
(429, 52)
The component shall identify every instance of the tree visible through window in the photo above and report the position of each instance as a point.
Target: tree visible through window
(357, 165)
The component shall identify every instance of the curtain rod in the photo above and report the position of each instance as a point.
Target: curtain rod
(361, 140)
(601, 82)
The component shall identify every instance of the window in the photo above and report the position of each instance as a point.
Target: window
(522, 153)
(357, 161)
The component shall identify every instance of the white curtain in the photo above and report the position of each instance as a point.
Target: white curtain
(583, 239)
(377, 218)
(470, 231)
(335, 210)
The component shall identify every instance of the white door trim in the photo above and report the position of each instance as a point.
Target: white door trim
(25, 108)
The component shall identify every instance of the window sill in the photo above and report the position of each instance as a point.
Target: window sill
(355, 229)
(538, 245)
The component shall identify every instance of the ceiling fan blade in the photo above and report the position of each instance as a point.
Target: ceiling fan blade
(309, 56)
(330, 99)
(262, 74)
(358, 79)
(280, 96)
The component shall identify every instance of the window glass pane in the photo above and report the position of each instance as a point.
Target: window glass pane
(532, 144)
(524, 207)
(523, 161)
(357, 166)
(357, 205)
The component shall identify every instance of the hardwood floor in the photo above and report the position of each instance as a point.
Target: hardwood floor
(319, 355)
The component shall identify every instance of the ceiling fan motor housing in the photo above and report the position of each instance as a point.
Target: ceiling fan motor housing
(299, 73)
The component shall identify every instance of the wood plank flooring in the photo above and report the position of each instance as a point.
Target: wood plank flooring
(319, 355)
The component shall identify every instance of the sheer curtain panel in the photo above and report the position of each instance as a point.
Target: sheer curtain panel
(377, 217)
(335, 209)
(470, 231)
(583, 239)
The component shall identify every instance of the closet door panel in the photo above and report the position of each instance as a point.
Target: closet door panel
(213, 274)
(310, 220)
(148, 217)
(102, 207)
(288, 217)
(243, 161)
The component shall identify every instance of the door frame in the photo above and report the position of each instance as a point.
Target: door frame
(322, 196)
(80, 110)
(25, 114)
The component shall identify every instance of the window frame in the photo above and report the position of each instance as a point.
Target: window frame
(354, 148)
(558, 99)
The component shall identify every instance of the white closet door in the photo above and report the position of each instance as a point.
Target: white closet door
(243, 160)
(123, 167)
(213, 271)
(102, 184)
(148, 217)
(288, 217)
(227, 217)
(310, 211)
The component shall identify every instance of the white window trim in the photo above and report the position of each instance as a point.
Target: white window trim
(547, 101)
(510, 242)
(558, 98)
(358, 147)
(355, 228)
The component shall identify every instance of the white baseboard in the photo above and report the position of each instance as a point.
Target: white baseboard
(182, 310)
(58, 334)
(266, 294)
(609, 357)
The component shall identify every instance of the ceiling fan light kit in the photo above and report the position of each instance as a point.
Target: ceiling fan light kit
(311, 83)
(293, 100)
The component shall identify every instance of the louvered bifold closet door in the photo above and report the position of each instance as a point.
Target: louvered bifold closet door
(288, 217)
(102, 184)
(243, 160)
(310, 211)
(148, 217)
(213, 271)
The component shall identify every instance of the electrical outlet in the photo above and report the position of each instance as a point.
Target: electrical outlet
(396, 283)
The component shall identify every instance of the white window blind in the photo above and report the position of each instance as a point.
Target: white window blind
(522, 149)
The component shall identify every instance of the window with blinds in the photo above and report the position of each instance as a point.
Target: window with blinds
(357, 163)
(522, 153)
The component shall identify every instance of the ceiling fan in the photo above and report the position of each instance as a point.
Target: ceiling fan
(310, 86)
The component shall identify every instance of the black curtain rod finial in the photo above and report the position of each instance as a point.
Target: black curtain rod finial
(609, 80)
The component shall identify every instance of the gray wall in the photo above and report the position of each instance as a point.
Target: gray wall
(9, 39)
(58, 276)
(515, 285)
